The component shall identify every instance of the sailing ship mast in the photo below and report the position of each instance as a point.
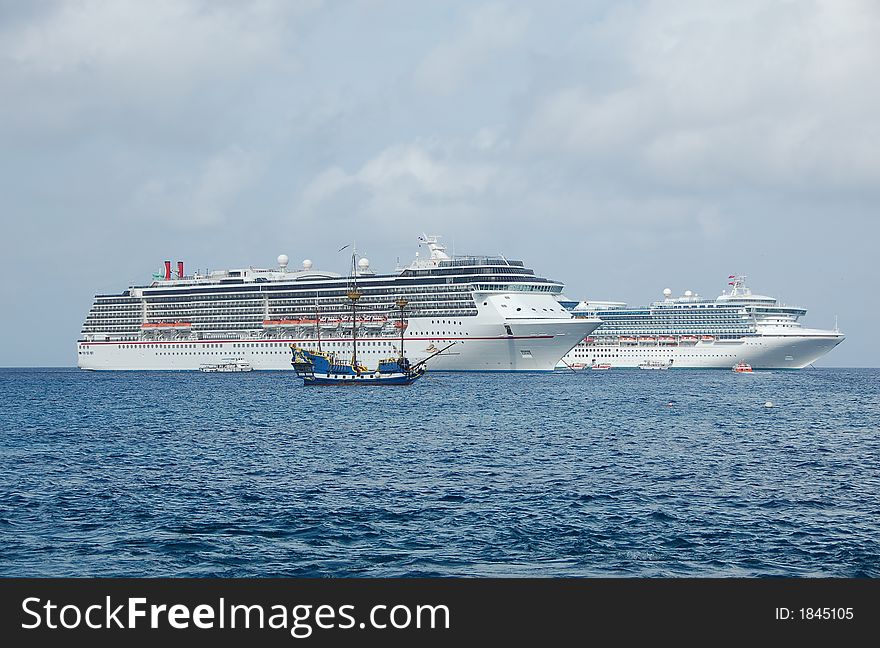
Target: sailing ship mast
(317, 323)
(401, 304)
(354, 295)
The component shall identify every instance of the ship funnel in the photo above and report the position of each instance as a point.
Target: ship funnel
(167, 270)
(180, 269)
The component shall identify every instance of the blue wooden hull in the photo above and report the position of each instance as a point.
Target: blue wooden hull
(363, 379)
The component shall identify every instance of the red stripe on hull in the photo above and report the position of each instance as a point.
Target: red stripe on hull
(413, 339)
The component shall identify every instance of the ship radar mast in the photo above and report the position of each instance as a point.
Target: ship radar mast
(438, 252)
(738, 283)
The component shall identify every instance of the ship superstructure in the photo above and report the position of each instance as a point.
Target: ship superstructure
(693, 332)
(501, 316)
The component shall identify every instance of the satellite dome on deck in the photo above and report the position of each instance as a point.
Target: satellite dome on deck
(688, 293)
(667, 292)
(364, 263)
(307, 264)
(283, 261)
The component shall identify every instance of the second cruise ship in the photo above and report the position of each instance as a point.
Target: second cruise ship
(497, 312)
(694, 332)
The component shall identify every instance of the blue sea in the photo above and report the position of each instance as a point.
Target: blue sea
(613, 473)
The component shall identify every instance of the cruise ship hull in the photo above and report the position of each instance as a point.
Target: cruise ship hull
(531, 346)
(764, 351)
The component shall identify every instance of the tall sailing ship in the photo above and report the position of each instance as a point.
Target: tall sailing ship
(694, 332)
(501, 316)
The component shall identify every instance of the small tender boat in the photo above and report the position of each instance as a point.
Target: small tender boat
(742, 367)
(226, 367)
(654, 364)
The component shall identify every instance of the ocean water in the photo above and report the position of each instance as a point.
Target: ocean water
(614, 473)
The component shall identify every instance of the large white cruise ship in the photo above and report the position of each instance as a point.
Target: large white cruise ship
(498, 314)
(693, 332)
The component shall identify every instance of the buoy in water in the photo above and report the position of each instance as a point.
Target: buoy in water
(768, 404)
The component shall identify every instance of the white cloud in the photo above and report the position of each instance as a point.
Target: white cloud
(773, 94)
(85, 62)
(205, 198)
(582, 122)
(403, 176)
(489, 31)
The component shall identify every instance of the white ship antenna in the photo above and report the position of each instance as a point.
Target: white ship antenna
(836, 327)
(738, 283)
(438, 251)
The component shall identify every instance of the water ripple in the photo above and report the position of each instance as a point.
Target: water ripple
(624, 473)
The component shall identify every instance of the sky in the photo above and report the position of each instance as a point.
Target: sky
(621, 147)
